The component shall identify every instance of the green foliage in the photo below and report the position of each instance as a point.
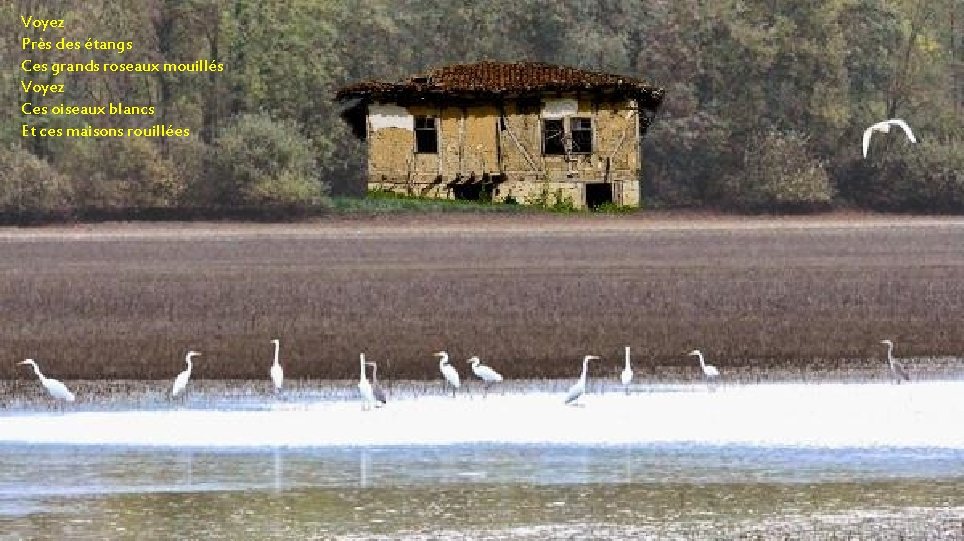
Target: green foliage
(553, 201)
(613, 208)
(191, 157)
(30, 185)
(926, 177)
(121, 173)
(260, 161)
(281, 61)
(387, 201)
(779, 174)
(732, 69)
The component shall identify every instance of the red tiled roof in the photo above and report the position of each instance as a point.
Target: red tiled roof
(498, 78)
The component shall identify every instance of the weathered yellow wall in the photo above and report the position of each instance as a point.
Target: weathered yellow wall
(472, 141)
(616, 137)
(521, 142)
(479, 146)
(450, 126)
(390, 151)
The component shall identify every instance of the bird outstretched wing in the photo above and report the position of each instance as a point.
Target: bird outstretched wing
(867, 133)
(905, 127)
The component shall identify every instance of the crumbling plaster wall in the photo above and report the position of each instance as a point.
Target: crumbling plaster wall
(473, 142)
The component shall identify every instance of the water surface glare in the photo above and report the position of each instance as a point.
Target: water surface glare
(766, 461)
(838, 415)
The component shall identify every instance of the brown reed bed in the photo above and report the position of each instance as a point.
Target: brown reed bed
(530, 296)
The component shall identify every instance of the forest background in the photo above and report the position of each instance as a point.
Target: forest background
(765, 102)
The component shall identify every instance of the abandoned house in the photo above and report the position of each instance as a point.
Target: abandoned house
(513, 132)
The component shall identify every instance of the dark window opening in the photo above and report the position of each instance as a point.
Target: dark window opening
(552, 137)
(598, 193)
(474, 188)
(581, 130)
(473, 192)
(426, 135)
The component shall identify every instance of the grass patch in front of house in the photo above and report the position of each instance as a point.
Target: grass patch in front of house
(383, 201)
(389, 201)
(613, 208)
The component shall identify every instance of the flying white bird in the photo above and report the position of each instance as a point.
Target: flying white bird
(448, 371)
(579, 388)
(627, 374)
(277, 374)
(485, 373)
(364, 387)
(180, 382)
(899, 372)
(709, 370)
(56, 389)
(884, 127)
(377, 390)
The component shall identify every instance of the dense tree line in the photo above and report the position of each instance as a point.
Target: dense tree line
(766, 101)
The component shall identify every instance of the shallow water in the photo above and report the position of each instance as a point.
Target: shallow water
(481, 491)
(711, 488)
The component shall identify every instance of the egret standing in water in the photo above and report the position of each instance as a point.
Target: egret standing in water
(884, 127)
(579, 388)
(448, 371)
(895, 368)
(709, 371)
(627, 374)
(486, 374)
(364, 387)
(180, 382)
(56, 389)
(277, 374)
(377, 390)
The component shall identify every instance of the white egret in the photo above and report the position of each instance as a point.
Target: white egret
(579, 388)
(377, 391)
(485, 373)
(709, 370)
(180, 382)
(627, 374)
(277, 374)
(884, 127)
(56, 389)
(899, 372)
(364, 387)
(448, 371)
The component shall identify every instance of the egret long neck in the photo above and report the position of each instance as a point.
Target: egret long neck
(890, 354)
(627, 358)
(277, 350)
(36, 370)
(189, 366)
(702, 362)
(585, 370)
(361, 364)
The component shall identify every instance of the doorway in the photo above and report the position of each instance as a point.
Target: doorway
(598, 193)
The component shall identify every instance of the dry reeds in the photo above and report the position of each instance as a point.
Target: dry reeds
(528, 302)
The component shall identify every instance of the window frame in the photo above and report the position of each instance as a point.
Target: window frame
(587, 130)
(422, 131)
(556, 140)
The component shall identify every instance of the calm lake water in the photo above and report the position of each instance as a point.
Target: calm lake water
(479, 492)
(710, 488)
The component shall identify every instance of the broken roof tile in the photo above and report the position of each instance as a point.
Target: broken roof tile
(500, 78)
